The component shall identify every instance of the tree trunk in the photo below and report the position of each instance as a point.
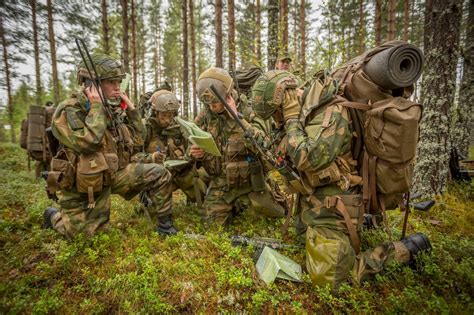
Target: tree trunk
(427, 25)
(303, 38)
(462, 122)
(193, 55)
(134, 51)
(391, 20)
(258, 30)
(378, 22)
(284, 25)
(406, 19)
(431, 170)
(39, 91)
(272, 46)
(231, 21)
(105, 27)
(8, 82)
(126, 60)
(361, 30)
(143, 33)
(218, 26)
(52, 47)
(184, 16)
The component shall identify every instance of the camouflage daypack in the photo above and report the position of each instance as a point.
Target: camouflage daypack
(385, 121)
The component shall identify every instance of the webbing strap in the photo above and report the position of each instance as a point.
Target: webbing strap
(353, 236)
(356, 105)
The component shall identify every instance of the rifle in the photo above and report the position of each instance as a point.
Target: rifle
(257, 242)
(97, 84)
(279, 164)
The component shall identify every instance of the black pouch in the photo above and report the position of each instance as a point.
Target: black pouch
(257, 179)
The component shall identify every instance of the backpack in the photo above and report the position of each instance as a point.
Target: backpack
(386, 124)
(33, 133)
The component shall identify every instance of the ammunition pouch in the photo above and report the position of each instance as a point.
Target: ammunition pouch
(63, 168)
(234, 148)
(90, 174)
(237, 174)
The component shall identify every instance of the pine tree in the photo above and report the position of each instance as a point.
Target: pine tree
(231, 35)
(52, 48)
(34, 24)
(272, 46)
(105, 27)
(193, 55)
(184, 25)
(125, 44)
(302, 12)
(218, 26)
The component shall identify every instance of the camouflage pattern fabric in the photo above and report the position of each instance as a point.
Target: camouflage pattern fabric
(85, 129)
(223, 195)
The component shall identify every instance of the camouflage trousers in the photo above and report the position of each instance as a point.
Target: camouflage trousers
(330, 258)
(185, 182)
(75, 216)
(220, 202)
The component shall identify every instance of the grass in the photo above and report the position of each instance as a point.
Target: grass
(130, 269)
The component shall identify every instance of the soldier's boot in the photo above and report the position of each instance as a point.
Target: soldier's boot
(372, 221)
(165, 225)
(47, 216)
(416, 244)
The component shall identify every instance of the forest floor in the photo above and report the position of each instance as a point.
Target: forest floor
(131, 269)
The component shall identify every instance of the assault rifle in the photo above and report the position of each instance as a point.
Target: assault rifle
(279, 164)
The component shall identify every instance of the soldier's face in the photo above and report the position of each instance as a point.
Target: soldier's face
(111, 88)
(283, 65)
(216, 108)
(164, 118)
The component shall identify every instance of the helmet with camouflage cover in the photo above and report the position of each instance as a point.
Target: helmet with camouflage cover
(164, 101)
(218, 77)
(107, 68)
(269, 90)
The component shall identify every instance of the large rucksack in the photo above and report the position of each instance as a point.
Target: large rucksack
(377, 85)
(33, 132)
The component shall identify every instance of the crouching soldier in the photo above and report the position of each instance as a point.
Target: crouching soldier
(237, 176)
(165, 141)
(318, 143)
(95, 153)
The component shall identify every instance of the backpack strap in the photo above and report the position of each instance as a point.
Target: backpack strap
(336, 201)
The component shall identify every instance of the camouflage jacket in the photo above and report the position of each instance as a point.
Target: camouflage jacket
(230, 140)
(85, 128)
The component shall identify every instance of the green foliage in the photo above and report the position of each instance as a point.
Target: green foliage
(132, 269)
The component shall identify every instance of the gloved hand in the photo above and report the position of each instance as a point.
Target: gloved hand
(158, 157)
(291, 107)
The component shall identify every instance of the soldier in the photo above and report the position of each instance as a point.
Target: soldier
(94, 159)
(165, 141)
(320, 149)
(283, 62)
(144, 104)
(237, 177)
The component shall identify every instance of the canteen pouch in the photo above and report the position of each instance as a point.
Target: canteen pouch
(257, 179)
(90, 173)
(64, 163)
(244, 178)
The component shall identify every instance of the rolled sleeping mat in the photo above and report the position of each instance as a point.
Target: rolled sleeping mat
(396, 67)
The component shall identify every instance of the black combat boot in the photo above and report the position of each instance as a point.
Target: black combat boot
(47, 216)
(165, 226)
(372, 221)
(416, 243)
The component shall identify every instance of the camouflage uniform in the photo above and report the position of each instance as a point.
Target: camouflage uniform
(94, 163)
(319, 146)
(237, 177)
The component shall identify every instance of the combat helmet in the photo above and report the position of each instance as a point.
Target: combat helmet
(269, 90)
(164, 101)
(107, 68)
(218, 77)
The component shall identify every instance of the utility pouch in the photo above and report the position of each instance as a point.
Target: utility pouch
(235, 147)
(324, 177)
(113, 166)
(257, 179)
(90, 175)
(244, 180)
(52, 183)
(64, 163)
(233, 174)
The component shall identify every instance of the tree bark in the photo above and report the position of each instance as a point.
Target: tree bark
(231, 22)
(303, 37)
(143, 33)
(463, 126)
(218, 26)
(184, 16)
(134, 51)
(427, 25)
(361, 29)
(272, 46)
(406, 19)
(258, 30)
(284, 25)
(105, 27)
(8, 82)
(52, 47)
(378, 22)
(125, 56)
(39, 90)
(391, 20)
(193, 55)
(431, 170)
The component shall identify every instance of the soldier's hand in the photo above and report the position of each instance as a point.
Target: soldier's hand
(231, 102)
(125, 98)
(291, 107)
(196, 152)
(158, 157)
(92, 94)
